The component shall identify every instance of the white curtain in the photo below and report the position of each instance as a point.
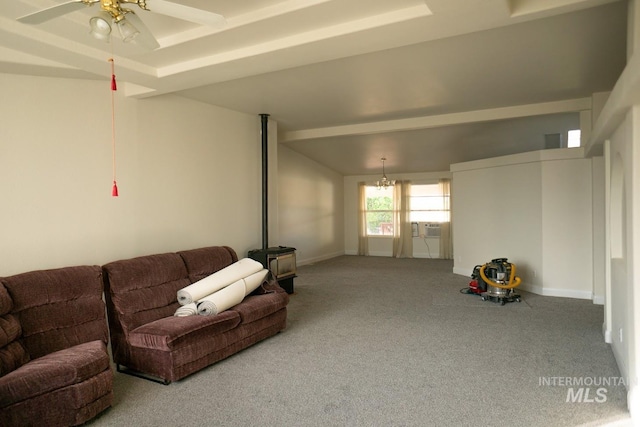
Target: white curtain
(446, 237)
(363, 240)
(402, 237)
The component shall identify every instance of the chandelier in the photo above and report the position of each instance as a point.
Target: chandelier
(384, 182)
(101, 26)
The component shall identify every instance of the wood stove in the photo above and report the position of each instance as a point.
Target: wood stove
(279, 260)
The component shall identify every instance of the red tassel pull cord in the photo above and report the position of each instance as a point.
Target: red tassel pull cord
(114, 189)
(114, 86)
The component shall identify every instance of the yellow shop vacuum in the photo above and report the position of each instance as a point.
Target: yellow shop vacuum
(495, 281)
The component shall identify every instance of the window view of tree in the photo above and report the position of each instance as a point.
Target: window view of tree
(379, 211)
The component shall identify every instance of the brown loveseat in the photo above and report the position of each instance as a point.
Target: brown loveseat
(54, 365)
(141, 296)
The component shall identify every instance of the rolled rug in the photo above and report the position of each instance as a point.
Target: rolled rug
(218, 280)
(187, 310)
(221, 300)
(253, 281)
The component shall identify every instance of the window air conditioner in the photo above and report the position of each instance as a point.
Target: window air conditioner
(432, 229)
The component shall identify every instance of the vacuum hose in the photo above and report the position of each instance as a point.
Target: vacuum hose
(513, 280)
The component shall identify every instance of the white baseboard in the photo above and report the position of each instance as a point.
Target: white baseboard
(374, 253)
(633, 402)
(462, 271)
(633, 392)
(306, 261)
(607, 333)
(557, 292)
(550, 292)
(380, 253)
(421, 255)
(426, 256)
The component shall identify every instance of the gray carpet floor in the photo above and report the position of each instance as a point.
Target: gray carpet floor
(375, 341)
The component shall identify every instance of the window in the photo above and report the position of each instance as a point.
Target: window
(379, 211)
(428, 204)
(573, 138)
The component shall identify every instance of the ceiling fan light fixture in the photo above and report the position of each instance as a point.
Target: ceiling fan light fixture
(128, 31)
(100, 26)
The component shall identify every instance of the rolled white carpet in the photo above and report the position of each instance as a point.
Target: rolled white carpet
(187, 310)
(218, 280)
(253, 281)
(223, 299)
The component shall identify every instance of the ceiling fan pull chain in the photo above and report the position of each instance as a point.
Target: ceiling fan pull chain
(113, 76)
(114, 189)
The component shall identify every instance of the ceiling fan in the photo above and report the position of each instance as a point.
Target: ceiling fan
(128, 23)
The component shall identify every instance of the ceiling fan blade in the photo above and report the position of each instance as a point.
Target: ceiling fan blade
(53, 12)
(186, 13)
(145, 38)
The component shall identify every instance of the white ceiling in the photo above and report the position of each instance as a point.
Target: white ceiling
(422, 83)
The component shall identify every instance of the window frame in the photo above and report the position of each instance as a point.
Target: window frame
(438, 214)
(391, 211)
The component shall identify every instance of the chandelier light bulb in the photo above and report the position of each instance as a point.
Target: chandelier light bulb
(100, 26)
(127, 30)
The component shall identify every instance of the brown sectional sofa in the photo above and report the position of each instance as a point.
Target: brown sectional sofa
(146, 339)
(54, 365)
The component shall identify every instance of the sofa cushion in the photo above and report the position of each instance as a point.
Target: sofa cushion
(174, 332)
(204, 262)
(145, 272)
(256, 307)
(58, 308)
(10, 329)
(6, 303)
(12, 356)
(68, 406)
(144, 289)
(53, 371)
(12, 353)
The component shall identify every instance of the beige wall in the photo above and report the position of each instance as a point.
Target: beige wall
(623, 329)
(532, 208)
(188, 175)
(617, 130)
(621, 247)
(598, 182)
(310, 207)
(567, 230)
(497, 213)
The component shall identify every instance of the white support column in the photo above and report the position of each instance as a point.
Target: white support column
(606, 326)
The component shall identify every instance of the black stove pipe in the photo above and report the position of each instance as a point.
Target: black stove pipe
(264, 119)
